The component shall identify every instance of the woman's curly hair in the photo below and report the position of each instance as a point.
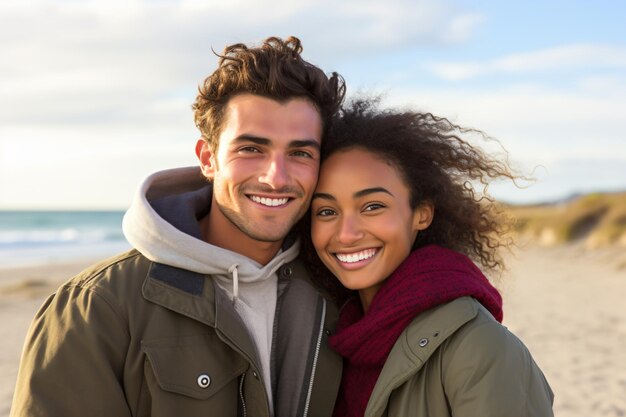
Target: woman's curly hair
(439, 166)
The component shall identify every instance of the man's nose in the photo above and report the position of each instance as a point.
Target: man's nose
(275, 175)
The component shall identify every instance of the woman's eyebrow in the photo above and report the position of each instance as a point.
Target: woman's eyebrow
(325, 196)
(371, 191)
(358, 194)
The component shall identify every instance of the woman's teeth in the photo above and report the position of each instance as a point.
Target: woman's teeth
(355, 257)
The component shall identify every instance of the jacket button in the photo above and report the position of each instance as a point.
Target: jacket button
(204, 381)
(287, 272)
(423, 342)
(255, 374)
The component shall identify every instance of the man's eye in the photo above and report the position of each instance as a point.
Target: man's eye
(248, 149)
(303, 154)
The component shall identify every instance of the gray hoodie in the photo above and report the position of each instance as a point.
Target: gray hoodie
(163, 224)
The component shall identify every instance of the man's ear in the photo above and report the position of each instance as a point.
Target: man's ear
(423, 216)
(206, 157)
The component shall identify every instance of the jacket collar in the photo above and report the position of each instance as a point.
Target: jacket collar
(185, 292)
(415, 346)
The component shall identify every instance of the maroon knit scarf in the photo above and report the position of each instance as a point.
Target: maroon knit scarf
(430, 276)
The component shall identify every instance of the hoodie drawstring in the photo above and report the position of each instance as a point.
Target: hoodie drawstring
(233, 270)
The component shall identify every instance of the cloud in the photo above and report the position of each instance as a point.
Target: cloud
(566, 177)
(570, 139)
(534, 122)
(104, 87)
(571, 57)
(66, 172)
(113, 62)
(99, 92)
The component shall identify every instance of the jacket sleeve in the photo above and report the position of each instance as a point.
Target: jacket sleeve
(490, 373)
(73, 358)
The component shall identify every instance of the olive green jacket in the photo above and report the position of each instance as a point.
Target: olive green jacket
(456, 360)
(129, 337)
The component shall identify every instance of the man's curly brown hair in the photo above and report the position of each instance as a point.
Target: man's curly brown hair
(274, 70)
(439, 166)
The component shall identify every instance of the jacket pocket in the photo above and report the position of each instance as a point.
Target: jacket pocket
(195, 366)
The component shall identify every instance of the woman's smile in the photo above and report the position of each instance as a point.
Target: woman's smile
(356, 259)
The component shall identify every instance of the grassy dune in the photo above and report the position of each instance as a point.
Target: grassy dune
(596, 220)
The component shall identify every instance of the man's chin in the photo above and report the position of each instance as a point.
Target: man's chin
(266, 237)
(270, 229)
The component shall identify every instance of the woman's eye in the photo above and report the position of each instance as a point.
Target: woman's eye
(325, 212)
(373, 206)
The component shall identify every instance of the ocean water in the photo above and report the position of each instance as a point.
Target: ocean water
(42, 237)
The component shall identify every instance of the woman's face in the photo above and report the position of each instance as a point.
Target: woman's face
(363, 226)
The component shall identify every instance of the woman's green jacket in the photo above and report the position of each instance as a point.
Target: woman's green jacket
(457, 360)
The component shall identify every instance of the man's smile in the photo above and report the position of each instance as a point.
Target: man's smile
(269, 201)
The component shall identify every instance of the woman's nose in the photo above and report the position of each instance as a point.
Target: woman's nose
(349, 230)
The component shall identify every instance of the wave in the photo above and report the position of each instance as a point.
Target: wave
(31, 238)
(36, 228)
(60, 236)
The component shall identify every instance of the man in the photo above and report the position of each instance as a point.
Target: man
(210, 314)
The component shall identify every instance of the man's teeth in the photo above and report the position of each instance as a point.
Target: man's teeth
(355, 257)
(270, 202)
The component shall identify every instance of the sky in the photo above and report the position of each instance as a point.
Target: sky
(96, 95)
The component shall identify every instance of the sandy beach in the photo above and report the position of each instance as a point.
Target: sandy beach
(567, 305)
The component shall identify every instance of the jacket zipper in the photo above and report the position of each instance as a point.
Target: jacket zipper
(315, 357)
(243, 401)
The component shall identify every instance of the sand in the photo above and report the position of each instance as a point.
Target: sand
(568, 305)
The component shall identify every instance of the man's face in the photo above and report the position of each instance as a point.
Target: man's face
(265, 167)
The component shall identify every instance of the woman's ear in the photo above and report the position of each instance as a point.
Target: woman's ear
(206, 157)
(423, 216)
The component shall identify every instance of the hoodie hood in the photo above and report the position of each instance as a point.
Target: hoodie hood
(163, 224)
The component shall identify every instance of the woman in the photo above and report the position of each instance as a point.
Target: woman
(396, 220)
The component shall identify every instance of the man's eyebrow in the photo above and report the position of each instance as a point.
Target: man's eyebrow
(358, 194)
(305, 143)
(251, 138)
(300, 143)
